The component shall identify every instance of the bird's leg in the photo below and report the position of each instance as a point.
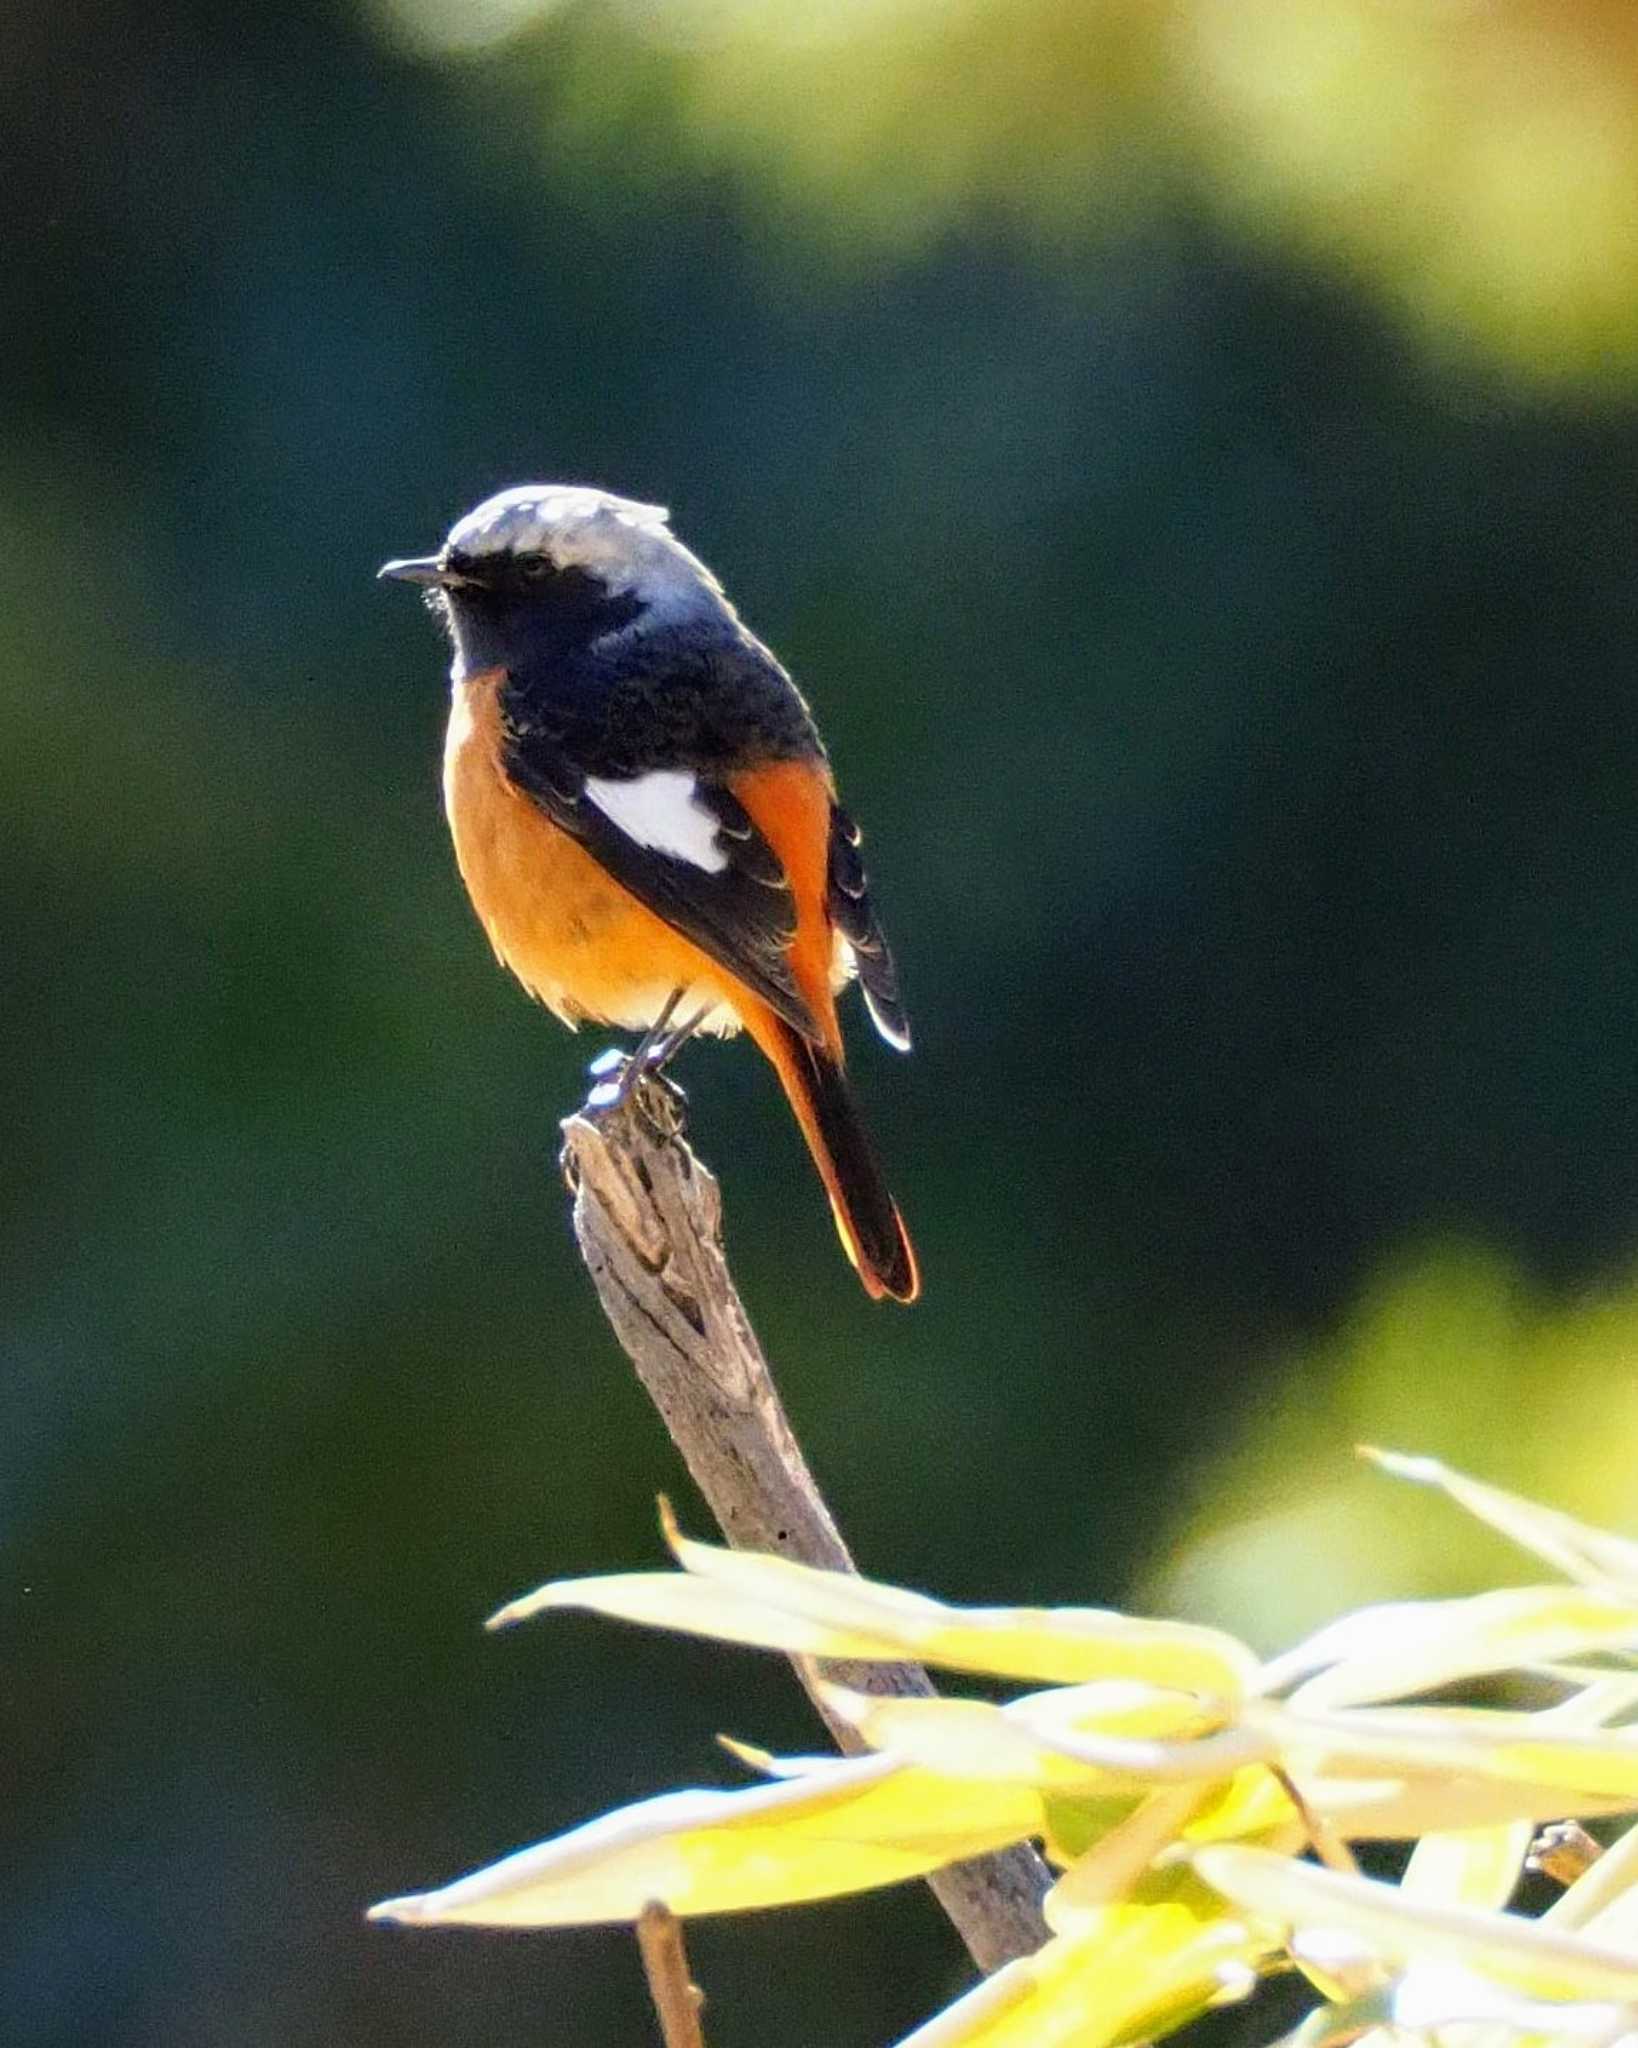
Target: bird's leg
(644, 1080)
(661, 1055)
(619, 1074)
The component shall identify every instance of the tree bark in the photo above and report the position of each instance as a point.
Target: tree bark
(648, 1218)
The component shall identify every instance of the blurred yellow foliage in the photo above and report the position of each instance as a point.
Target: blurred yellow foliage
(1175, 1783)
(1451, 1348)
(1474, 161)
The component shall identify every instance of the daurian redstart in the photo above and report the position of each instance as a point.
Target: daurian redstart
(646, 820)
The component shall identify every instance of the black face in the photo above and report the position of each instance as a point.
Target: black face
(516, 610)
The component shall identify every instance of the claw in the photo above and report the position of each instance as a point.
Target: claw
(658, 1099)
(639, 1076)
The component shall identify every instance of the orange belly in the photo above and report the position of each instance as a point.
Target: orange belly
(586, 947)
(589, 950)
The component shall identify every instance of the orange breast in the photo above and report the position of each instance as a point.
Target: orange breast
(585, 946)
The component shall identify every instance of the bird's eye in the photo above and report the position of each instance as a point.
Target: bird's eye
(534, 568)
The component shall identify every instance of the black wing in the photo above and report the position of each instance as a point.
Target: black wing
(743, 915)
(855, 917)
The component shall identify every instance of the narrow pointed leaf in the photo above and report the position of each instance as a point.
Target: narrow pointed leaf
(1526, 1954)
(1432, 1996)
(1351, 2023)
(1110, 1869)
(767, 1765)
(972, 1739)
(1063, 1645)
(1253, 1803)
(696, 1607)
(1342, 1968)
(1477, 1867)
(1111, 1738)
(1135, 1972)
(1591, 1555)
(777, 1605)
(861, 1824)
(1600, 1765)
(1397, 1652)
(1389, 1809)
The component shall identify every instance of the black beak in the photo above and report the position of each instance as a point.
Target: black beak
(416, 569)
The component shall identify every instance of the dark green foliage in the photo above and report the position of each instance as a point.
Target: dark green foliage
(1245, 731)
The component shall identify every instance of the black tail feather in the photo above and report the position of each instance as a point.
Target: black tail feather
(866, 1214)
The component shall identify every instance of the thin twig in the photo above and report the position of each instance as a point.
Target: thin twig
(678, 2001)
(648, 1218)
(1327, 1844)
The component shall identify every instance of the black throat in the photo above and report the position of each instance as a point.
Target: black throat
(502, 619)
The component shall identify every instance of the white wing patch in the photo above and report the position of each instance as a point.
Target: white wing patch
(662, 811)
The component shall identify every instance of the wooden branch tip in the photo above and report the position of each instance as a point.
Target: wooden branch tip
(648, 1221)
(678, 2001)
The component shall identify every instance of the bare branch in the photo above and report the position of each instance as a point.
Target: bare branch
(677, 1999)
(648, 1217)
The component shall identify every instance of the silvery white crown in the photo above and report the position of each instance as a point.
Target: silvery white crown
(628, 545)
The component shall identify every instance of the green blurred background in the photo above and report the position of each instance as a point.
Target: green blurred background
(1186, 450)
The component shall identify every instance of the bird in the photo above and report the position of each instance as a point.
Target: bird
(646, 819)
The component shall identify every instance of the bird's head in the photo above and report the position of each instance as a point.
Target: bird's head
(545, 569)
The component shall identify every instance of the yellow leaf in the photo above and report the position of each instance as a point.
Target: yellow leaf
(748, 1598)
(1599, 1765)
(1525, 1954)
(862, 1823)
(777, 1605)
(1074, 1738)
(1117, 1707)
(1481, 1866)
(694, 1607)
(1389, 1653)
(1253, 1802)
(1606, 1771)
(1354, 2023)
(971, 1739)
(1389, 1809)
(1071, 1824)
(1133, 1972)
(1111, 1867)
(1470, 1866)
(1430, 1997)
(1341, 1968)
(767, 1765)
(1590, 1555)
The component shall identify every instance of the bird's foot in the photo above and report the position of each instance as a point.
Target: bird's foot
(640, 1078)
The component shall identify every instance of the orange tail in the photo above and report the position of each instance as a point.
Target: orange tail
(867, 1217)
